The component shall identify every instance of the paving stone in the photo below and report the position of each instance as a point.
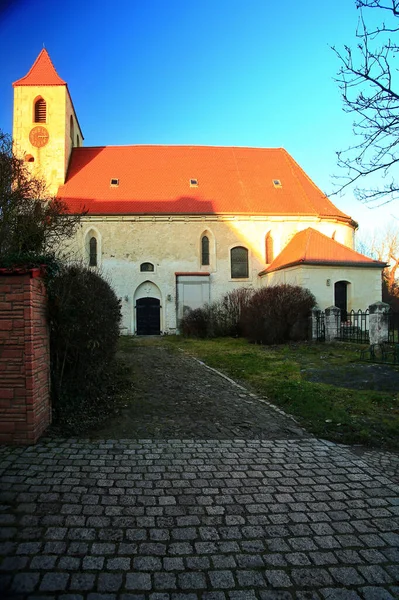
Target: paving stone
(82, 582)
(191, 581)
(376, 593)
(250, 578)
(138, 581)
(165, 581)
(346, 575)
(311, 577)
(221, 579)
(24, 583)
(54, 582)
(93, 562)
(109, 582)
(339, 594)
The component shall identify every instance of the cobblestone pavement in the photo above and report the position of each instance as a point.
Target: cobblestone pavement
(185, 519)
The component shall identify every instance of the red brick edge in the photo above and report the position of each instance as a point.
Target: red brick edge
(25, 409)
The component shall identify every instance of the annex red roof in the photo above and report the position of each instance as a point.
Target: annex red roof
(310, 247)
(42, 72)
(192, 180)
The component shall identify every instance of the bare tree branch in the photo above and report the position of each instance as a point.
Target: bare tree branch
(366, 80)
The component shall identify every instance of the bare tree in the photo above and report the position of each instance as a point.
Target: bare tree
(367, 79)
(31, 221)
(383, 245)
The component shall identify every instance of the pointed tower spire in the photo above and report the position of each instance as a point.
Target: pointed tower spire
(42, 72)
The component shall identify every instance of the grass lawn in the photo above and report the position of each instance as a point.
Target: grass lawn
(278, 373)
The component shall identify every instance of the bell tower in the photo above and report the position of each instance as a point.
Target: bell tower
(45, 126)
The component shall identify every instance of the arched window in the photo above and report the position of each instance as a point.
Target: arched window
(93, 252)
(239, 262)
(77, 141)
(147, 266)
(269, 250)
(29, 158)
(40, 111)
(205, 250)
(71, 129)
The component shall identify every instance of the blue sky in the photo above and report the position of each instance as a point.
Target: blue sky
(211, 72)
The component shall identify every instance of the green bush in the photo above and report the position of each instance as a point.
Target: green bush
(84, 316)
(277, 314)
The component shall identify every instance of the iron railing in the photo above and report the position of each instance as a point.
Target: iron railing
(355, 328)
(393, 327)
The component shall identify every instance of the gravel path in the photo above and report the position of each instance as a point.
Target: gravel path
(176, 396)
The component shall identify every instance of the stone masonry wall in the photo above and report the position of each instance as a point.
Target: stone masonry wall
(25, 410)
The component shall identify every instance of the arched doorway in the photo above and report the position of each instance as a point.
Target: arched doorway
(148, 316)
(341, 298)
(147, 305)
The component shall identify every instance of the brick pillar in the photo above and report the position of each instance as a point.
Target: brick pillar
(25, 410)
(333, 322)
(378, 322)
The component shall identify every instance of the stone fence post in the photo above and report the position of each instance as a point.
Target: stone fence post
(332, 322)
(378, 322)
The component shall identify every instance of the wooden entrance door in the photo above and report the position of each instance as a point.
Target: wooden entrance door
(148, 316)
(341, 298)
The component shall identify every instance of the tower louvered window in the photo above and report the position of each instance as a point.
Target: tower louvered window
(40, 111)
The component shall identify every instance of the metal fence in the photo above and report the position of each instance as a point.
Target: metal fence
(393, 327)
(320, 326)
(355, 328)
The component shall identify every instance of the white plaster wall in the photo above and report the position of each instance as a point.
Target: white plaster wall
(172, 244)
(364, 289)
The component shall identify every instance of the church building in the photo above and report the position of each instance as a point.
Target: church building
(175, 227)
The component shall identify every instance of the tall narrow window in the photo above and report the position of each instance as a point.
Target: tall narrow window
(71, 129)
(239, 262)
(40, 111)
(93, 252)
(205, 250)
(269, 250)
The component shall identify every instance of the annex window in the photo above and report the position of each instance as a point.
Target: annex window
(40, 111)
(239, 262)
(93, 252)
(269, 250)
(146, 267)
(205, 250)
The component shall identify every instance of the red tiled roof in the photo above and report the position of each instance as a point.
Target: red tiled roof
(42, 72)
(156, 180)
(310, 247)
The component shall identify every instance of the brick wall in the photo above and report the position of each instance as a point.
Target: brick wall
(25, 410)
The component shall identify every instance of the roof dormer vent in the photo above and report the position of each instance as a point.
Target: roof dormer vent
(193, 182)
(114, 182)
(277, 183)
